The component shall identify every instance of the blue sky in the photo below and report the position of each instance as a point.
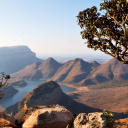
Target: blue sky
(48, 27)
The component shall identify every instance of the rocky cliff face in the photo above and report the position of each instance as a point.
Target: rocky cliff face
(47, 117)
(15, 58)
(49, 93)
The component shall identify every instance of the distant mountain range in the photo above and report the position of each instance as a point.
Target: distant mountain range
(15, 58)
(38, 70)
(75, 71)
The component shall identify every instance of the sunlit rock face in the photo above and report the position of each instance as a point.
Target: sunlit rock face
(50, 117)
(15, 58)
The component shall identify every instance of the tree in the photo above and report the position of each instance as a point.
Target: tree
(3, 83)
(107, 32)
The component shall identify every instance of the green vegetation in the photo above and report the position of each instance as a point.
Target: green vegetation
(3, 83)
(107, 32)
(110, 119)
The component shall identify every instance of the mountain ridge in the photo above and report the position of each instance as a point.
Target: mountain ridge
(38, 70)
(77, 72)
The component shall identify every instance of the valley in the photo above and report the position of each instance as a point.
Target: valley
(98, 86)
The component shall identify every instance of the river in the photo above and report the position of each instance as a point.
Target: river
(24, 90)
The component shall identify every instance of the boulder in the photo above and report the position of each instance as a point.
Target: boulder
(52, 117)
(121, 123)
(92, 120)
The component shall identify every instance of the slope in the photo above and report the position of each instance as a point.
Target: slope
(38, 70)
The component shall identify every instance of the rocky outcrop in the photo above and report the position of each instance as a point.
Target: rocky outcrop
(15, 58)
(121, 123)
(92, 120)
(7, 120)
(50, 117)
(49, 93)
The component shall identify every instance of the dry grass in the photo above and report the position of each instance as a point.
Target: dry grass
(110, 99)
(2, 112)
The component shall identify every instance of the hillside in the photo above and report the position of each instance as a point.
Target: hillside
(49, 93)
(77, 72)
(15, 58)
(10, 91)
(38, 70)
(111, 70)
(74, 71)
(110, 99)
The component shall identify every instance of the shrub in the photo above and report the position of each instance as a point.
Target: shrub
(110, 119)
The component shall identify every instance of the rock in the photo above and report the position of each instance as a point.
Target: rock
(92, 120)
(121, 123)
(52, 117)
(7, 120)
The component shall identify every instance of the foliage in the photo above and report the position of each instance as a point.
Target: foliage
(3, 83)
(110, 119)
(107, 32)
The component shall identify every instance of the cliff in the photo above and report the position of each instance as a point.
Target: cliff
(15, 58)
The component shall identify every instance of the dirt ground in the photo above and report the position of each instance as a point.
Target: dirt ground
(110, 99)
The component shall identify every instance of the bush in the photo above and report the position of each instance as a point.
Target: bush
(110, 119)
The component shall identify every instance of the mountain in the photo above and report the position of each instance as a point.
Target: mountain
(38, 70)
(77, 71)
(18, 83)
(10, 91)
(74, 71)
(111, 70)
(49, 93)
(15, 58)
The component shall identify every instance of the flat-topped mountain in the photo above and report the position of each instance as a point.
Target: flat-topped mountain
(49, 93)
(15, 58)
(38, 70)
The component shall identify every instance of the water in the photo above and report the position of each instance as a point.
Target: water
(24, 90)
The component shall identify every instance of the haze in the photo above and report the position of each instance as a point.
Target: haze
(49, 27)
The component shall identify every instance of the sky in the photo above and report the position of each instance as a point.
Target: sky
(47, 27)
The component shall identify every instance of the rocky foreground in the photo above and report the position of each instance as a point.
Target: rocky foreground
(48, 107)
(56, 116)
